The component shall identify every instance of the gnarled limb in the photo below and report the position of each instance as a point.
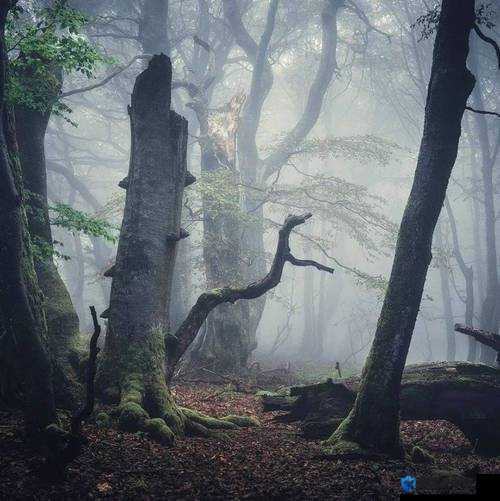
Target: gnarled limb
(187, 332)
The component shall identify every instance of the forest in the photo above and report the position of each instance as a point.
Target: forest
(248, 249)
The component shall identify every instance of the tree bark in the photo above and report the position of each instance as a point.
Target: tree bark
(465, 394)
(20, 297)
(133, 364)
(62, 320)
(373, 423)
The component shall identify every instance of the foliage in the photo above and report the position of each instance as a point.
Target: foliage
(42, 44)
(76, 221)
(362, 149)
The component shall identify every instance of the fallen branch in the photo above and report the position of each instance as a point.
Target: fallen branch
(187, 332)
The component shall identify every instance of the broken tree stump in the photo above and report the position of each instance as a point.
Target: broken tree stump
(465, 394)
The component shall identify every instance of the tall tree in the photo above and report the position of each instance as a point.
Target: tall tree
(21, 313)
(373, 423)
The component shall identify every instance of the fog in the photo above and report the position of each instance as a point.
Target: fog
(353, 170)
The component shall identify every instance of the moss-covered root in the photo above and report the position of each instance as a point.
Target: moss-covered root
(151, 408)
(343, 445)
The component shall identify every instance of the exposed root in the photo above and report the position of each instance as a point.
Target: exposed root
(151, 408)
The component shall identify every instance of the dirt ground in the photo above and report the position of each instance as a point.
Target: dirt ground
(270, 462)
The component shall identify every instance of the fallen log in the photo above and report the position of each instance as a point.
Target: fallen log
(467, 395)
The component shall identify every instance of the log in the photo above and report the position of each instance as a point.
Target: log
(465, 394)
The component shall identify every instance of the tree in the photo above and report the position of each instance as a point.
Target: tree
(21, 316)
(138, 340)
(373, 423)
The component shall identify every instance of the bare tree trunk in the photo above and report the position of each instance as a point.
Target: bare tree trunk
(446, 297)
(373, 423)
(20, 297)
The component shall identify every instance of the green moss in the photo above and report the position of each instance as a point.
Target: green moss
(243, 421)
(103, 420)
(207, 421)
(132, 417)
(158, 430)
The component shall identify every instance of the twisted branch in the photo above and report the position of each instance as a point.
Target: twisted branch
(187, 332)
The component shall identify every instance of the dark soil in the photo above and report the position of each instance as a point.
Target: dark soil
(270, 462)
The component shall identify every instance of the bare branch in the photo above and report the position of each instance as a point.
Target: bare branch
(185, 335)
(489, 40)
(104, 81)
(482, 112)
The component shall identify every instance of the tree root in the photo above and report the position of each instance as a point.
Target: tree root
(150, 408)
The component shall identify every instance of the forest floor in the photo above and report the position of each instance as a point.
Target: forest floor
(270, 462)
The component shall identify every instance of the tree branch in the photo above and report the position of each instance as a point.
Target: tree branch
(104, 81)
(489, 40)
(482, 112)
(317, 91)
(487, 338)
(185, 335)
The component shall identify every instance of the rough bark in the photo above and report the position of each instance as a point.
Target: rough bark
(142, 276)
(465, 394)
(373, 423)
(62, 320)
(20, 297)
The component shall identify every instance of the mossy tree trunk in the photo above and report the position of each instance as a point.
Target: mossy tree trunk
(373, 423)
(140, 351)
(20, 298)
(62, 320)
(133, 365)
(226, 343)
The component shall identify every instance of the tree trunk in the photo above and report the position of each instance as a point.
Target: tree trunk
(465, 394)
(489, 320)
(446, 297)
(20, 297)
(134, 357)
(373, 423)
(226, 343)
(62, 320)
(468, 274)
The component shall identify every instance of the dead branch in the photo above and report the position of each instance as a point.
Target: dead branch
(487, 338)
(187, 332)
(86, 411)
